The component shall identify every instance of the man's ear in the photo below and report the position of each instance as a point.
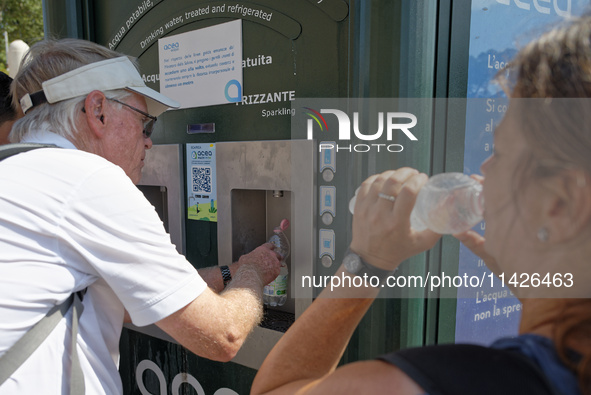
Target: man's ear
(94, 106)
(567, 211)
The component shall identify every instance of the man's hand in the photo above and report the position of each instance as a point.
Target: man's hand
(264, 261)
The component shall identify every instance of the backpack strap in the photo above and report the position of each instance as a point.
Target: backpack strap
(13, 149)
(76, 376)
(26, 345)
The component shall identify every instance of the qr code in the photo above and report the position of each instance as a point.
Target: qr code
(201, 179)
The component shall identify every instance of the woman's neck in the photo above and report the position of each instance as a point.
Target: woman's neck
(562, 320)
(539, 316)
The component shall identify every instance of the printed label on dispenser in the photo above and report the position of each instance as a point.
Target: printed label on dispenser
(201, 182)
(328, 159)
(277, 287)
(327, 200)
(326, 243)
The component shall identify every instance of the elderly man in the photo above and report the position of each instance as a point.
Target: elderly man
(72, 220)
(7, 113)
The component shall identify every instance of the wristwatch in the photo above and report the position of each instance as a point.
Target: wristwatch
(354, 264)
(226, 275)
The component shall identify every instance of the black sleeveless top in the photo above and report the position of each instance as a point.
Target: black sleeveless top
(471, 369)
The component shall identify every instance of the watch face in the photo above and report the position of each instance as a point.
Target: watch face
(352, 263)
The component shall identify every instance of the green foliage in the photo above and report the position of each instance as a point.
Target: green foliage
(22, 20)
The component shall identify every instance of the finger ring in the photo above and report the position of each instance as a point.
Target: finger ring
(387, 197)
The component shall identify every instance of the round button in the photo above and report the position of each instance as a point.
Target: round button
(326, 261)
(327, 175)
(327, 218)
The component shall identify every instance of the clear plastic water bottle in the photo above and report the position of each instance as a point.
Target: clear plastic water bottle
(448, 203)
(275, 293)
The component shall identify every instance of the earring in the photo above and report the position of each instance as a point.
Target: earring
(581, 181)
(543, 234)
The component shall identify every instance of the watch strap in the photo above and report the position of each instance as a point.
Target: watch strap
(226, 275)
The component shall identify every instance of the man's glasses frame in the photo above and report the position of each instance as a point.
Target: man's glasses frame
(148, 123)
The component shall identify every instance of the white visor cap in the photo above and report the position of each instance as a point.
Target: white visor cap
(110, 74)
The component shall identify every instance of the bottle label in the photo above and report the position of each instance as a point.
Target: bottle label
(277, 287)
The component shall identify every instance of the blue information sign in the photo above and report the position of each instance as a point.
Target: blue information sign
(497, 29)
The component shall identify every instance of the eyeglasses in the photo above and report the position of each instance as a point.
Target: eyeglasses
(149, 120)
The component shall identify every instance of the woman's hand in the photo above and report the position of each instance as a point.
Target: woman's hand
(381, 225)
(475, 243)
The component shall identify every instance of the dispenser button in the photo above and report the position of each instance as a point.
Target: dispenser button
(327, 238)
(328, 156)
(328, 196)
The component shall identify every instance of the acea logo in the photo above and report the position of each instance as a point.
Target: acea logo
(393, 123)
(202, 154)
(172, 47)
(233, 91)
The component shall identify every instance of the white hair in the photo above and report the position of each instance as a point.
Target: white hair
(61, 117)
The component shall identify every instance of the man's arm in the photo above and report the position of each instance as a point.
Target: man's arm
(214, 325)
(212, 275)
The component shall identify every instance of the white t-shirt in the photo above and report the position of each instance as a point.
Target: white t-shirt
(71, 220)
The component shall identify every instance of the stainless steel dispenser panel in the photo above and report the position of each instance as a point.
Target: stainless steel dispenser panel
(163, 168)
(250, 173)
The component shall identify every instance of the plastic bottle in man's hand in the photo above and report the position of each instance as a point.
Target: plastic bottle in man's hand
(275, 293)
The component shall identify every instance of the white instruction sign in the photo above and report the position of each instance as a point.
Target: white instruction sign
(203, 67)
